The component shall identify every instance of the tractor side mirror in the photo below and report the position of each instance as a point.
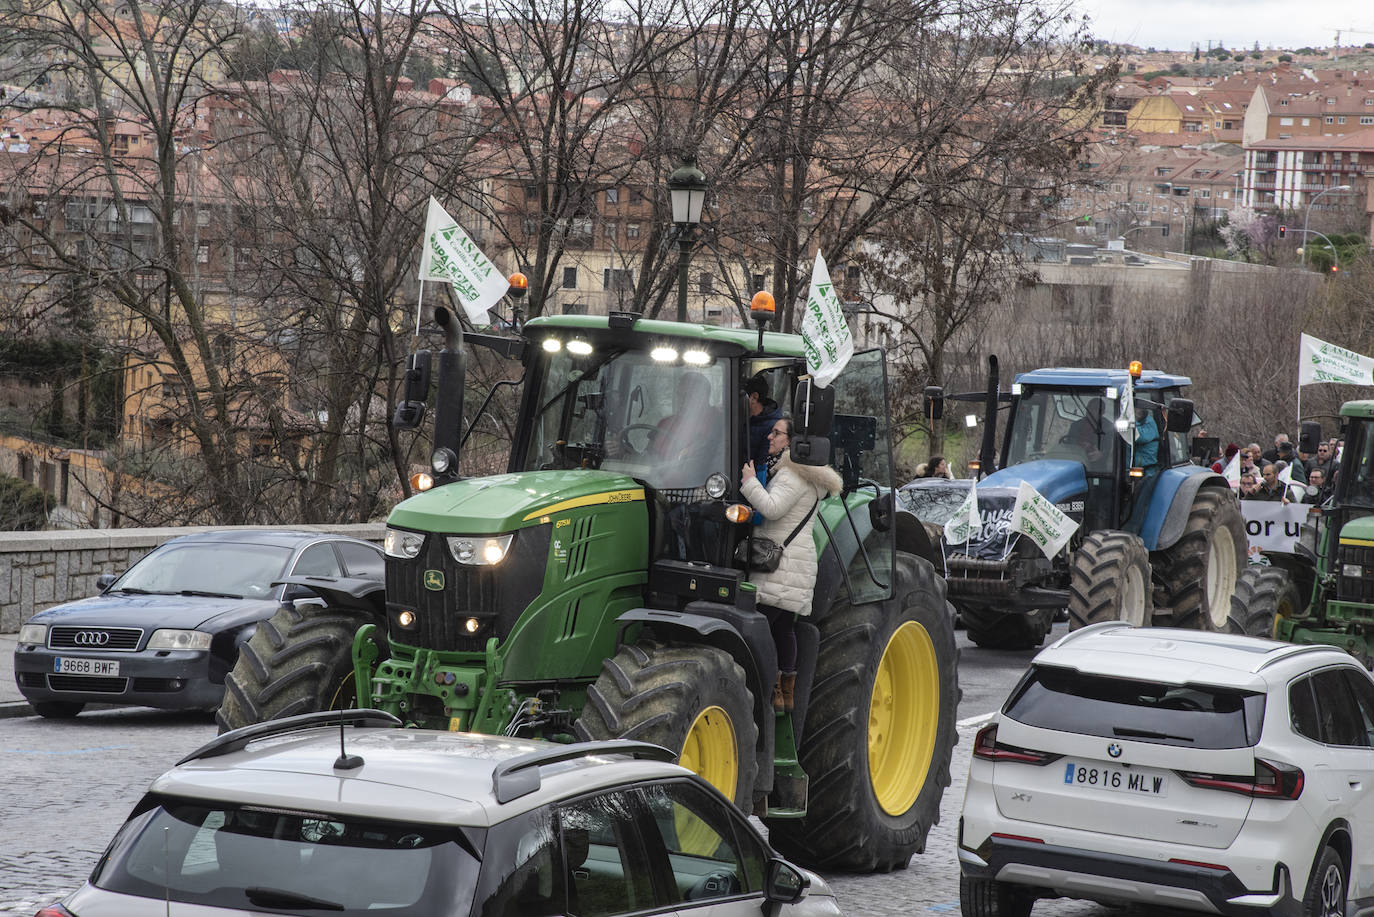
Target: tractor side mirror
(410, 413)
(813, 408)
(1309, 436)
(933, 404)
(1180, 417)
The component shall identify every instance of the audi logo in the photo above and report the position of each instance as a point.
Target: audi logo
(91, 638)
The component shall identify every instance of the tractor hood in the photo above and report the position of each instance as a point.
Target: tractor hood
(1361, 529)
(506, 502)
(1063, 482)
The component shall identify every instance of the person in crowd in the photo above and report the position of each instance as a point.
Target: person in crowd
(1271, 488)
(937, 467)
(763, 413)
(1249, 487)
(1275, 452)
(1289, 459)
(1324, 461)
(789, 503)
(1220, 464)
(1317, 488)
(1249, 461)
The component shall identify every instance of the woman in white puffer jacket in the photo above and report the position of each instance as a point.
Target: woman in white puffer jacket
(792, 494)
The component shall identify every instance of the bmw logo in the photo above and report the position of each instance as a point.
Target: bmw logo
(1114, 750)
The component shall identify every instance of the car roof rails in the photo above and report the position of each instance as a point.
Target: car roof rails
(238, 739)
(519, 776)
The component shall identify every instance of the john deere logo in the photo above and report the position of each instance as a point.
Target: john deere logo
(434, 580)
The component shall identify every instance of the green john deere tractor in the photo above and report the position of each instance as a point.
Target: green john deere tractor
(591, 591)
(1323, 592)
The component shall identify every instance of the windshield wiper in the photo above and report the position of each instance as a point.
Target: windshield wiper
(1148, 734)
(209, 595)
(280, 897)
(134, 590)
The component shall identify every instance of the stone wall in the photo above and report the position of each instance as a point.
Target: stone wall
(41, 569)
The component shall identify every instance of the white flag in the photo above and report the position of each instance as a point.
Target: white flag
(450, 256)
(1293, 490)
(965, 522)
(1127, 414)
(825, 332)
(1319, 361)
(1041, 521)
(1232, 472)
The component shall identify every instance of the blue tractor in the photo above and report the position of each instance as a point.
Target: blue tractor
(1159, 539)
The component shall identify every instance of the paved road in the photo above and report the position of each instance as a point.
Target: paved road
(65, 787)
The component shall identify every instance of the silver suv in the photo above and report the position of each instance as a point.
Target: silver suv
(346, 813)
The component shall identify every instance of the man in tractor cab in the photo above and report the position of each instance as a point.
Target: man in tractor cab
(1085, 434)
(763, 413)
(693, 424)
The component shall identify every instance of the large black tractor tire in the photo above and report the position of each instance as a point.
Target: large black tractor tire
(1110, 581)
(880, 729)
(300, 660)
(996, 630)
(1263, 595)
(688, 698)
(1198, 573)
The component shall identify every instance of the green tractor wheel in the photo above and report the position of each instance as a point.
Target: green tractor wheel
(1263, 595)
(880, 729)
(1198, 572)
(1110, 580)
(300, 660)
(688, 698)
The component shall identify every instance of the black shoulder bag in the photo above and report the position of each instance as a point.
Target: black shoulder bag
(764, 554)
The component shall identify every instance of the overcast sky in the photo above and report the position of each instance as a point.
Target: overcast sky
(1179, 24)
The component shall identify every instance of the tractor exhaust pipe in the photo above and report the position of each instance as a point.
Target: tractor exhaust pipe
(987, 455)
(448, 399)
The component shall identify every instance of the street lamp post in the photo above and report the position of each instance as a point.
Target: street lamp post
(1302, 258)
(687, 188)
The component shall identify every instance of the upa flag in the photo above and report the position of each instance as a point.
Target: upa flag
(1125, 419)
(965, 523)
(824, 330)
(1041, 521)
(1319, 361)
(451, 257)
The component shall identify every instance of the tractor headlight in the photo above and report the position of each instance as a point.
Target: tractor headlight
(442, 460)
(179, 640)
(1352, 570)
(479, 550)
(716, 485)
(404, 544)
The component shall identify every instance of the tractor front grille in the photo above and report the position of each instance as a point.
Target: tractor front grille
(1355, 571)
(494, 595)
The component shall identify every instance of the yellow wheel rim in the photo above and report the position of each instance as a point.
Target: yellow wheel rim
(709, 750)
(903, 718)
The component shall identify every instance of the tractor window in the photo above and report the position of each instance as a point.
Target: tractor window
(662, 422)
(1074, 424)
(1357, 466)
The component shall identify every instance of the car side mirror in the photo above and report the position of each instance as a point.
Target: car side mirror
(813, 408)
(933, 403)
(104, 581)
(784, 883)
(1309, 437)
(294, 592)
(1180, 416)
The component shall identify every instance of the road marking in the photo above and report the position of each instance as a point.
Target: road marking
(978, 720)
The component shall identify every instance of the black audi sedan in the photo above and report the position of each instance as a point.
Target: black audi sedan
(167, 632)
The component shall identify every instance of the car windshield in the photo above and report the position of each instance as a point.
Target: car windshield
(1074, 424)
(252, 859)
(217, 567)
(1195, 716)
(621, 410)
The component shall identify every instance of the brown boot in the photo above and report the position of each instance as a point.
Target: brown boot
(787, 686)
(779, 700)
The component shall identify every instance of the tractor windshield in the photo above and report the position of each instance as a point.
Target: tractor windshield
(1074, 424)
(1358, 466)
(622, 410)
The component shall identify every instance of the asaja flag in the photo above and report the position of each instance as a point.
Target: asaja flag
(1041, 521)
(451, 257)
(965, 523)
(1232, 472)
(1125, 418)
(1319, 361)
(825, 332)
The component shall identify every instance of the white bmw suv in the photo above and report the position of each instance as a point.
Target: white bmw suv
(1207, 772)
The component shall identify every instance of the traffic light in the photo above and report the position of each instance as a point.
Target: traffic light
(1283, 231)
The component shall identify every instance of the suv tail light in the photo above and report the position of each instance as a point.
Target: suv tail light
(54, 910)
(1270, 781)
(986, 746)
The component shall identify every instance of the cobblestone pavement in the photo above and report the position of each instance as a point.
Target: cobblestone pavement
(65, 787)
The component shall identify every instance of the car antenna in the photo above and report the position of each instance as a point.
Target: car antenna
(166, 876)
(345, 761)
